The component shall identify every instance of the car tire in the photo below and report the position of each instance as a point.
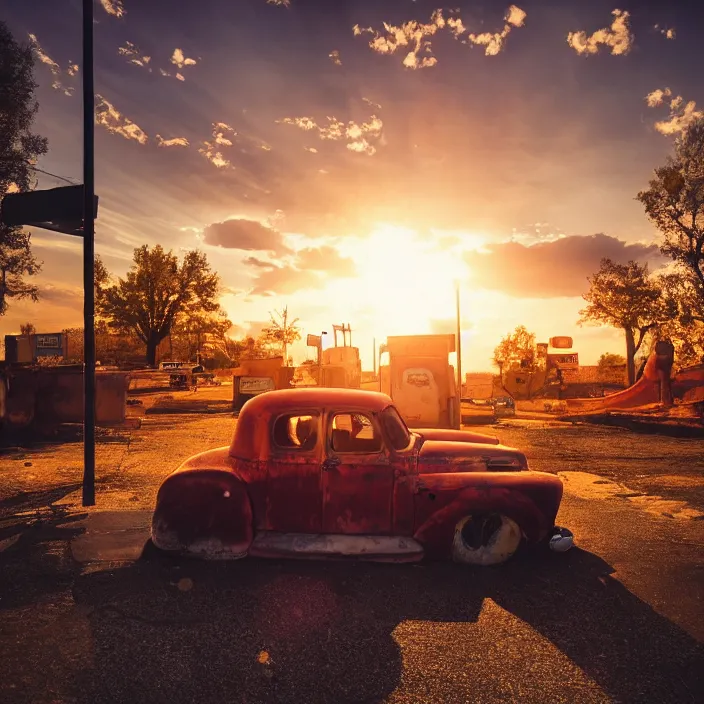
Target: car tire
(485, 539)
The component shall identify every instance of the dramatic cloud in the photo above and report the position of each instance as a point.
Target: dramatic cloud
(260, 263)
(114, 7)
(281, 3)
(551, 269)
(247, 235)
(657, 97)
(211, 150)
(175, 142)
(180, 60)
(134, 55)
(494, 42)
(325, 259)
(215, 157)
(618, 37)
(43, 56)
(227, 136)
(64, 296)
(516, 16)
(360, 138)
(414, 35)
(667, 33)
(335, 57)
(220, 129)
(113, 121)
(417, 36)
(681, 114)
(55, 69)
(310, 268)
(285, 280)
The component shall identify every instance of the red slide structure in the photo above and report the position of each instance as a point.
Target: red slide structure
(654, 386)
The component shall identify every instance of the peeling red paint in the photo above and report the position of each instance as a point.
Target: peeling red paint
(457, 436)
(222, 499)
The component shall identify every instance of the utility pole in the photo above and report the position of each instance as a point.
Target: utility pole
(88, 259)
(459, 344)
(374, 356)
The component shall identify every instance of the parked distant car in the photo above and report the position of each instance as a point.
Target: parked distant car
(335, 472)
(190, 377)
(504, 406)
(477, 410)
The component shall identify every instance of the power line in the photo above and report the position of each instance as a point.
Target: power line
(48, 173)
(62, 178)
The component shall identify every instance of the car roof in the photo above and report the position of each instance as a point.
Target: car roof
(286, 399)
(251, 440)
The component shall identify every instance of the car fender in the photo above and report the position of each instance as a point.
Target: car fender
(532, 507)
(204, 512)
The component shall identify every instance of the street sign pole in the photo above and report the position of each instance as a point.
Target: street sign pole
(88, 259)
(459, 341)
(458, 420)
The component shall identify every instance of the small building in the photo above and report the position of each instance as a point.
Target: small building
(25, 349)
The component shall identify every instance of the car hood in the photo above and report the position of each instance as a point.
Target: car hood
(447, 456)
(455, 436)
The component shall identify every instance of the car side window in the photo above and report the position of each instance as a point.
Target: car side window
(397, 433)
(294, 431)
(354, 432)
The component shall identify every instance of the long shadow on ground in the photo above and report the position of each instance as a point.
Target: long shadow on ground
(256, 631)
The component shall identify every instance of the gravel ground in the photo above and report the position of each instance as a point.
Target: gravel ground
(653, 464)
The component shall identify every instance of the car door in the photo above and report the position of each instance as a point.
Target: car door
(293, 486)
(358, 477)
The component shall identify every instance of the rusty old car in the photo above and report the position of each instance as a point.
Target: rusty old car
(321, 472)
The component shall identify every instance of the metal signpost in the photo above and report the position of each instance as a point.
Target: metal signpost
(459, 346)
(88, 258)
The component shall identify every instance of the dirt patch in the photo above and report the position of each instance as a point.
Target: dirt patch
(591, 486)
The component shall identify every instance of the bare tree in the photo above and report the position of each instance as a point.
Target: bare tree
(282, 331)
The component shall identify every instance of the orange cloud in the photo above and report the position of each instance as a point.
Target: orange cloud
(494, 41)
(134, 55)
(413, 35)
(113, 121)
(114, 7)
(668, 33)
(246, 235)
(617, 37)
(175, 142)
(180, 60)
(55, 69)
(682, 114)
(361, 138)
(553, 269)
(417, 36)
(310, 268)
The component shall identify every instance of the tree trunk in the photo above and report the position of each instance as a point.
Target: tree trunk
(630, 356)
(152, 344)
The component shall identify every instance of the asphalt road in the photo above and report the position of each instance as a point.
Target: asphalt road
(619, 619)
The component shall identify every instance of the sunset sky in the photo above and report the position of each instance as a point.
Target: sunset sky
(328, 156)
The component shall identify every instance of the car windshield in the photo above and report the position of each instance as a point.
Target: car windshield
(396, 430)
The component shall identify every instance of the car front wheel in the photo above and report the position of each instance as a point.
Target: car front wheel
(485, 539)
